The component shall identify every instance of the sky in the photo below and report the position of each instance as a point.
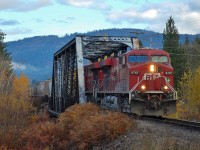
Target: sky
(27, 18)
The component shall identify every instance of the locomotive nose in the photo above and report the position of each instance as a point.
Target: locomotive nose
(154, 103)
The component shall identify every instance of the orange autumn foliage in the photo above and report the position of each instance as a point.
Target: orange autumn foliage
(46, 135)
(79, 127)
(20, 86)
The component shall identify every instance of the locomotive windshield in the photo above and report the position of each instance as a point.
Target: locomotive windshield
(137, 58)
(161, 59)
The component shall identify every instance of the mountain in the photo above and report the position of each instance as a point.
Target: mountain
(34, 56)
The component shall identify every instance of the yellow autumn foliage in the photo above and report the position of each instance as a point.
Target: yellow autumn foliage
(15, 112)
(185, 86)
(194, 91)
(189, 96)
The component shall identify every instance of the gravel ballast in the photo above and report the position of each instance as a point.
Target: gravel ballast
(150, 135)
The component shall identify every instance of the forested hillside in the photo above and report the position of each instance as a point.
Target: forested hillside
(34, 55)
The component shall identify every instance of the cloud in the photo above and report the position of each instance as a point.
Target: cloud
(16, 31)
(13, 34)
(132, 15)
(4, 22)
(92, 4)
(8, 4)
(23, 5)
(77, 3)
(33, 68)
(194, 5)
(155, 15)
(38, 20)
(24, 67)
(67, 20)
(18, 66)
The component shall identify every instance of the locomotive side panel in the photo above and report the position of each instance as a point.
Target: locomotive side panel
(123, 75)
(107, 76)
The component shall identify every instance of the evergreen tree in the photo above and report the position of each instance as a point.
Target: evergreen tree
(171, 45)
(5, 65)
(190, 54)
(196, 40)
(194, 54)
(170, 36)
(5, 58)
(187, 42)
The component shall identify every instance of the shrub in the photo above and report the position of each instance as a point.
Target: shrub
(87, 125)
(79, 127)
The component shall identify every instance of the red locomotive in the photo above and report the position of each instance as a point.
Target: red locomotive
(138, 81)
(121, 77)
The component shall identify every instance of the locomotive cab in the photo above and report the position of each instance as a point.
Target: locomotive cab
(139, 81)
(151, 82)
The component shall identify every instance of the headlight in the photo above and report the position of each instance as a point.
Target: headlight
(143, 87)
(165, 88)
(152, 68)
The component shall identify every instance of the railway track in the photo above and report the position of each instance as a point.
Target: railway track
(175, 122)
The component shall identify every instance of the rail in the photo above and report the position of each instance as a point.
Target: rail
(175, 122)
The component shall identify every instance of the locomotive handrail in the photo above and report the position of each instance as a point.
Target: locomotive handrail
(175, 93)
(136, 85)
(99, 85)
(111, 87)
(171, 88)
(134, 89)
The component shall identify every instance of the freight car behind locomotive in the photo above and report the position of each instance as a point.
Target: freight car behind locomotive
(41, 89)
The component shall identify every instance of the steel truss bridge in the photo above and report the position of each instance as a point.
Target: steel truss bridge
(68, 85)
